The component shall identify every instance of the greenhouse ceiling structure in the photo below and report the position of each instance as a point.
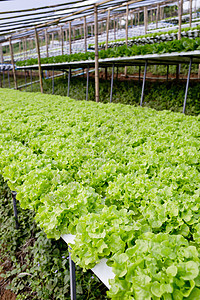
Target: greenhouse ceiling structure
(42, 20)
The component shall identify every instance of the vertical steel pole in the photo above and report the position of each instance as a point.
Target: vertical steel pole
(69, 77)
(187, 85)
(15, 209)
(31, 77)
(72, 278)
(96, 54)
(111, 90)
(53, 81)
(87, 87)
(143, 84)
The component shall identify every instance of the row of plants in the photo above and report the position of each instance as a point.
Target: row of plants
(184, 44)
(32, 266)
(150, 38)
(157, 95)
(123, 179)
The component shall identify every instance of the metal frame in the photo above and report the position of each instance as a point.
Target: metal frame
(187, 85)
(143, 83)
(72, 278)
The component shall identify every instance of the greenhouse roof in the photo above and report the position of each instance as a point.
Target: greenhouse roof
(13, 22)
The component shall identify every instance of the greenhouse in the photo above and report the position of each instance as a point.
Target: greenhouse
(100, 150)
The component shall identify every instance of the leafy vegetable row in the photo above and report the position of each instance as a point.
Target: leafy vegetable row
(124, 180)
(184, 44)
(191, 32)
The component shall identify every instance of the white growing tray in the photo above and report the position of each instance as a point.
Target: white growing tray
(101, 270)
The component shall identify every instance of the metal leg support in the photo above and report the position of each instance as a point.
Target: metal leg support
(143, 84)
(72, 278)
(111, 90)
(15, 209)
(87, 87)
(53, 81)
(187, 85)
(69, 77)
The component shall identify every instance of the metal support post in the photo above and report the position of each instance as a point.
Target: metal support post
(143, 84)
(187, 85)
(72, 278)
(87, 87)
(53, 82)
(15, 208)
(69, 77)
(111, 90)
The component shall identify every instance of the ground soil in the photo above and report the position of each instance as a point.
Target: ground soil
(5, 294)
